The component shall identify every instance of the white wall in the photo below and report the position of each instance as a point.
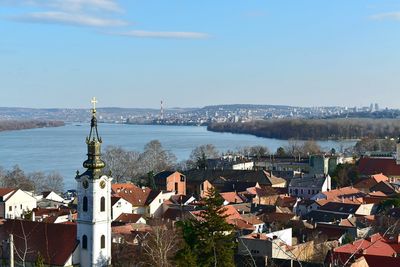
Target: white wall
(19, 202)
(122, 206)
(156, 206)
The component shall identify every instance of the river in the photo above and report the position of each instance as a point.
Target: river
(63, 149)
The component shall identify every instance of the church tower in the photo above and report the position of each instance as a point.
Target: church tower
(94, 204)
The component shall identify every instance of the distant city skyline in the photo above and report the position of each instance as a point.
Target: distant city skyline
(60, 53)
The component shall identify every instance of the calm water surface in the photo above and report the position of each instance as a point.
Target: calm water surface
(63, 149)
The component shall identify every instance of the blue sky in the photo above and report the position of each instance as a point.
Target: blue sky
(133, 53)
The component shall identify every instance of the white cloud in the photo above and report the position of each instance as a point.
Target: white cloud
(386, 16)
(69, 18)
(165, 35)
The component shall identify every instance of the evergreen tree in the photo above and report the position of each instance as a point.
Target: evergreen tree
(150, 180)
(39, 261)
(209, 240)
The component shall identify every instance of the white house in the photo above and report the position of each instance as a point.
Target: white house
(119, 206)
(265, 245)
(51, 200)
(308, 186)
(155, 203)
(14, 202)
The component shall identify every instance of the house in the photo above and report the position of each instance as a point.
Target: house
(366, 184)
(275, 180)
(155, 203)
(350, 208)
(119, 206)
(378, 250)
(135, 195)
(273, 245)
(325, 216)
(304, 206)
(130, 218)
(171, 181)
(308, 186)
(231, 198)
(53, 215)
(386, 187)
(51, 199)
(223, 180)
(55, 243)
(341, 194)
(15, 202)
(388, 166)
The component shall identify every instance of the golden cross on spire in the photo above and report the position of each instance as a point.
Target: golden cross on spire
(94, 102)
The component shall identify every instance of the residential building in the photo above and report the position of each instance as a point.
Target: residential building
(171, 181)
(15, 202)
(308, 186)
(119, 206)
(135, 195)
(378, 250)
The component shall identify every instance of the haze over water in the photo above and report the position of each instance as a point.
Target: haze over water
(63, 149)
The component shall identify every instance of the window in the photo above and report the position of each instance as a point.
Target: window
(182, 178)
(85, 204)
(10, 208)
(21, 206)
(102, 204)
(84, 242)
(309, 191)
(103, 242)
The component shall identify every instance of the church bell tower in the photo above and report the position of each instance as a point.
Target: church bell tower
(94, 204)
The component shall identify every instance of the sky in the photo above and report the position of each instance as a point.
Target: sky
(134, 53)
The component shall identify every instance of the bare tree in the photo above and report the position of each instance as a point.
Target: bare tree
(50, 182)
(200, 155)
(23, 251)
(160, 246)
(122, 164)
(155, 158)
(16, 178)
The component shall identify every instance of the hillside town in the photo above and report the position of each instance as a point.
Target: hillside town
(271, 210)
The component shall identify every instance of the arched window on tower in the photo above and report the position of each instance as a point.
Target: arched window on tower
(102, 204)
(103, 242)
(85, 204)
(84, 242)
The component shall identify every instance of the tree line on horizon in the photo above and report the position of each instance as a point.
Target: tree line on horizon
(11, 125)
(313, 129)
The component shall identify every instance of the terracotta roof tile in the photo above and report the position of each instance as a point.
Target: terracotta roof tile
(371, 166)
(55, 242)
(133, 194)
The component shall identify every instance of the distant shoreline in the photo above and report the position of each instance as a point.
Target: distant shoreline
(16, 125)
(318, 129)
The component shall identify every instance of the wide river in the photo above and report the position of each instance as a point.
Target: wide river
(63, 149)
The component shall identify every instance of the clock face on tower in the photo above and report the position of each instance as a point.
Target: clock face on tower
(102, 184)
(85, 184)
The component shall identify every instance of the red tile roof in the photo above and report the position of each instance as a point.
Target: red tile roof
(377, 250)
(129, 218)
(54, 242)
(133, 194)
(344, 193)
(380, 177)
(5, 191)
(231, 197)
(371, 166)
